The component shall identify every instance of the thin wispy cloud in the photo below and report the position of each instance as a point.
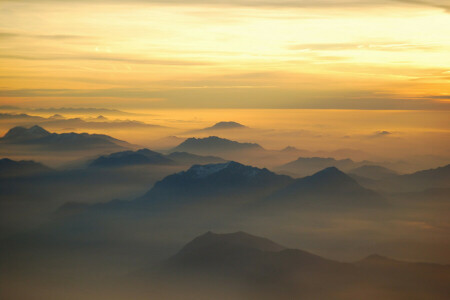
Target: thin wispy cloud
(110, 58)
(272, 3)
(393, 46)
(10, 35)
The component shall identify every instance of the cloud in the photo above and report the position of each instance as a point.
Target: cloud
(272, 3)
(238, 97)
(430, 3)
(9, 35)
(439, 97)
(392, 46)
(107, 57)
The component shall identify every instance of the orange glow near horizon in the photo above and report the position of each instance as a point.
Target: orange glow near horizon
(142, 55)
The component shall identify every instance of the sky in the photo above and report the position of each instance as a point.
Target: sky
(303, 54)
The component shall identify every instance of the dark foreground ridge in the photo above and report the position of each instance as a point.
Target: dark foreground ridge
(268, 270)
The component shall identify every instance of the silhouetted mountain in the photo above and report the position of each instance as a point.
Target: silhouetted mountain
(225, 184)
(58, 121)
(212, 145)
(22, 135)
(11, 168)
(415, 182)
(439, 176)
(329, 188)
(241, 256)
(225, 125)
(148, 157)
(129, 158)
(21, 117)
(304, 166)
(97, 123)
(57, 117)
(294, 151)
(38, 136)
(193, 159)
(238, 239)
(373, 172)
(265, 270)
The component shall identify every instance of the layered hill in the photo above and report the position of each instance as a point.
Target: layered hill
(37, 136)
(327, 189)
(264, 269)
(214, 145)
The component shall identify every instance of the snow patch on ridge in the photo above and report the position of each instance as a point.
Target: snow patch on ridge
(201, 171)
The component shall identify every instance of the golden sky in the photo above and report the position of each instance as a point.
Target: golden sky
(339, 54)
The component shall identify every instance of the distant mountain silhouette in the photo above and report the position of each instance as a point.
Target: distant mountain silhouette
(213, 145)
(329, 188)
(21, 117)
(59, 121)
(149, 157)
(225, 184)
(238, 239)
(295, 151)
(10, 168)
(225, 125)
(415, 182)
(38, 136)
(193, 159)
(437, 175)
(373, 172)
(22, 134)
(129, 158)
(265, 270)
(304, 166)
(241, 255)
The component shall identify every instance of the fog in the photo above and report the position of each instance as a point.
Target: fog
(83, 230)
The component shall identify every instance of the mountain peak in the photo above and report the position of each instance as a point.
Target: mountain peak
(331, 174)
(373, 172)
(22, 133)
(237, 239)
(331, 171)
(128, 158)
(289, 149)
(329, 187)
(232, 167)
(12, 168)
(201, 171)
(226, 125)
(213, 144)
(214, 183)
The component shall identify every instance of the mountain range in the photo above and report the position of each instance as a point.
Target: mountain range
(221, 126)
(326, 189)
(304, 166)
(231, 185)
(266, 270)
(227, 184)
(58, 121)
(373, 172)
(213, 145)
(148, 157)
(436, 178)
(11, 168)
(130, 158)
(39, 137)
